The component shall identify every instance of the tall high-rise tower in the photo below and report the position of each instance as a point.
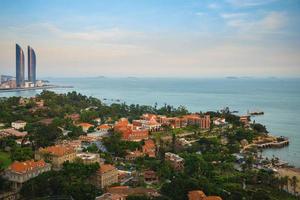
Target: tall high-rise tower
(20, 66)
(31, 65)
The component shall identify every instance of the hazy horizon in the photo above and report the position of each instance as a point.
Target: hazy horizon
(160, 38)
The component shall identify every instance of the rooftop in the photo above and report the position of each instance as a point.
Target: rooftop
(19, 121)
(85, 125)
(104, 126)
(58, 150)
(23, 167)
(106, 168)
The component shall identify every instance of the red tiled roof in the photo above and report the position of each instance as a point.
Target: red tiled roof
(58, 150)
(85, 125)
(153, 122)
(149, 144)
(22, 167)
(106, 168)
(192, 116)
(103, 126)
(212, 198)
(74, 116)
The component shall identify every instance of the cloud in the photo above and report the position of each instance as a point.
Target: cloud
(199, 13)
(213, 6)
(248, 3)
(233, 15)
(106, 36)
(270, 22)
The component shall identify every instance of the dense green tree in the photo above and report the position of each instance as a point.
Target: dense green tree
(70, 181)
(21, 153)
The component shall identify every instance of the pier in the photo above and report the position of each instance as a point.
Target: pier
(275, 144)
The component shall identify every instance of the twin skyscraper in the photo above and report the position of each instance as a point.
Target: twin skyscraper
(20, 66)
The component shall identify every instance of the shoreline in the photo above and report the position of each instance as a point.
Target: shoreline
(2, 90)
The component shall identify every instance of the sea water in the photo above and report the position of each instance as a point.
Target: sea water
(279, 99)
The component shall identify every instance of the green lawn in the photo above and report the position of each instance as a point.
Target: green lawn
(4, 159)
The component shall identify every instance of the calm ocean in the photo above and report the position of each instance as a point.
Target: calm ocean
(278, 98)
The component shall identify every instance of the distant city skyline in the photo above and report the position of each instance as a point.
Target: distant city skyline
(159, 38)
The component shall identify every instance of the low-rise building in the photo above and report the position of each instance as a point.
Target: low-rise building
(12, 132)
(128, 191)
(219, 121)
(149, 148)
(89, 158)
(20, 172)
(46, 121)
(57, 155)
(18, 124)
(75, 117)
(200, 195)
(175, 160)
(103, 128)
(129, 131)
(150, 176)
(132, 155)
(109, 196)
(195, 119)
(106, 176)
(85, 126)
(245, 120)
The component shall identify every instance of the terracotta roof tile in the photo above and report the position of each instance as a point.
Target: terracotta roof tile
(22, 167)
(103, 126)
(58, 150)
(86, 125)
(106, 168)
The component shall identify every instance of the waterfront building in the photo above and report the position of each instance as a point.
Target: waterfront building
(175, 160)
(20, 172)
(106, 176)
(57, 155)
(5, 78)
(151, 125)
(245, 120)
(31, 65)
(8, 84)
(130, 132)
(20, 66)
(201, 121)
(18, 124)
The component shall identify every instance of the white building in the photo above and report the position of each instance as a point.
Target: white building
(18, 124)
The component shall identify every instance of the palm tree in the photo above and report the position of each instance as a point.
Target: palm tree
(294, 183)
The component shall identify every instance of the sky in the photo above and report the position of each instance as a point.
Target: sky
(153, 38)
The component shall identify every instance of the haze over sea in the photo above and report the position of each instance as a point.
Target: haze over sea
(279, 98)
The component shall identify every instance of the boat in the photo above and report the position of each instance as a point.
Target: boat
(256, 113)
